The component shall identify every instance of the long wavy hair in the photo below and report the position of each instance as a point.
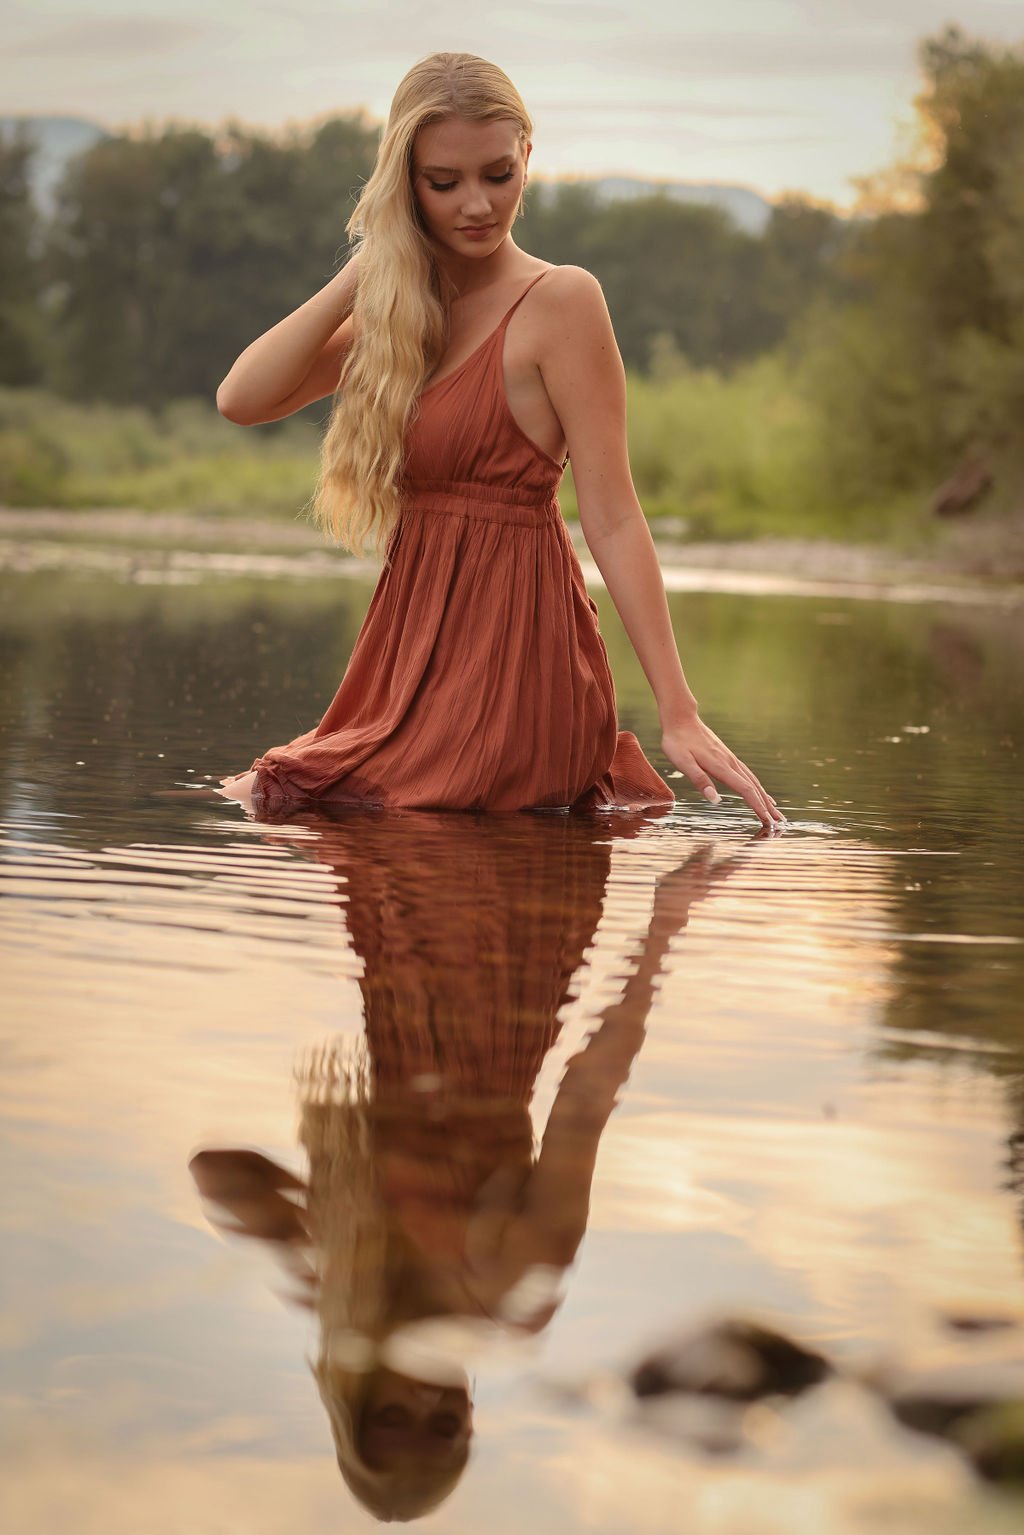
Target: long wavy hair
(400, 311)
(371, 1282)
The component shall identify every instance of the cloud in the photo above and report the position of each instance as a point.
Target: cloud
(108, 37)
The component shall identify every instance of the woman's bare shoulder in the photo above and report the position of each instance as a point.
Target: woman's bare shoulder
(571, 311)
(573, 295)
(571, 282)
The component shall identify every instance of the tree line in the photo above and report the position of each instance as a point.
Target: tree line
(902, 327)
(169, 252)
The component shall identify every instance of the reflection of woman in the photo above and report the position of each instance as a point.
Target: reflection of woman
(479, 678)
(428, 1219)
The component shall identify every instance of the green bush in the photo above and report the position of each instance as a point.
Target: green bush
(183, 458)
(741, 456)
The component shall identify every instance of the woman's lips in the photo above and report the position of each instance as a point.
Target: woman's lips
(475, 229)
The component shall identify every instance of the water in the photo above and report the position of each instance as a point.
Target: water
(767, 1076)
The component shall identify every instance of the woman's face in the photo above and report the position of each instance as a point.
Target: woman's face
(467, 175)
(409, 1422)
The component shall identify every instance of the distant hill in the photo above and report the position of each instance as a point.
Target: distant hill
(748, 209)
(60, 138)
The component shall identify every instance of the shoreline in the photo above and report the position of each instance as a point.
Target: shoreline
(966, 569)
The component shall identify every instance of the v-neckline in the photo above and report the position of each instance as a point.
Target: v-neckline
(487, 339)
(456, 371)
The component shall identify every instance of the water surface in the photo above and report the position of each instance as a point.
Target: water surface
(773, 1076)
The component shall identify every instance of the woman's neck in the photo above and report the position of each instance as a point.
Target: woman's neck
(460, 278)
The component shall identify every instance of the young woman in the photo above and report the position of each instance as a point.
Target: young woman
(466, 374)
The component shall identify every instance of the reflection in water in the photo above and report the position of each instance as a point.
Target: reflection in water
(824, 1124)
(431, 1224)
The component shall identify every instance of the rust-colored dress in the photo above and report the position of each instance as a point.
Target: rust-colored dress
(479, 678)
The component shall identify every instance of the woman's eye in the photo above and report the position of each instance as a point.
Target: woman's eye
(446, 186)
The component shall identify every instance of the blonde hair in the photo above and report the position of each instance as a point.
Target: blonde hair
(368, 1281)
(400, 308)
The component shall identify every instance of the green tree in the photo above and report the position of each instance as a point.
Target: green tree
(922, 362)
(22, 326)
(685, 276)
(174, 250)
(973, 233)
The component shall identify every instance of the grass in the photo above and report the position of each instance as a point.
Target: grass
(723, 457)
(186, 459)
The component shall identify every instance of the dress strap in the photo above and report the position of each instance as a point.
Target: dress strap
(533, 281)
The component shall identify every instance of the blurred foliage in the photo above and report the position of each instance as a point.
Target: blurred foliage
(24, 334)
(922, 364)
(734, 454)
(671, 268)
(181, 457)
(169, 253)
(825, 375)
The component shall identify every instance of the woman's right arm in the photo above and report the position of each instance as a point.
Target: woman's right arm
(556, 1204)
(297, 361)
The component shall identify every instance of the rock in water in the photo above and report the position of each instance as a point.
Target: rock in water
(994, 1441)
(977, 1404)
(735, 1359)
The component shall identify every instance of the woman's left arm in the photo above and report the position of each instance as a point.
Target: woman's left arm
(586, 382)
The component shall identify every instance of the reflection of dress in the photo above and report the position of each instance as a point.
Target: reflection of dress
(470, 929)
(425, 1184)
(479, 678)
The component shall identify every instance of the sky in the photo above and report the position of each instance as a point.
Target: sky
(776, 95)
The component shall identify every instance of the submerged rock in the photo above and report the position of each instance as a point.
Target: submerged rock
(976, 1404)
(739, 1360)
(993, 1439)
(933, 1398)
(973, 1322)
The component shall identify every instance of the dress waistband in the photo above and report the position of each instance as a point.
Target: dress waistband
(483, 503)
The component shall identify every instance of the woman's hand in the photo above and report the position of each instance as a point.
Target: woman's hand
(696, 751)
(253, 1193)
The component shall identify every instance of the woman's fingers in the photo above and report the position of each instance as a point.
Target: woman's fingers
(734, 780)
(749, 790)
(757, 788)
(704, 757)
(775, 815)
(741, 780)
(754, 782)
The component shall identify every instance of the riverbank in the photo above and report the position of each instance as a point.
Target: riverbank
(969, 560)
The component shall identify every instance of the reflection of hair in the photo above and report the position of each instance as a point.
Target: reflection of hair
(367, 1283)
(400, 319)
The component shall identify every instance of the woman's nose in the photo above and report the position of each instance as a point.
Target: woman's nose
(478, 203)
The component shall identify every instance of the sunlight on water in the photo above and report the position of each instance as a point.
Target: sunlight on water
(620, 1075)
